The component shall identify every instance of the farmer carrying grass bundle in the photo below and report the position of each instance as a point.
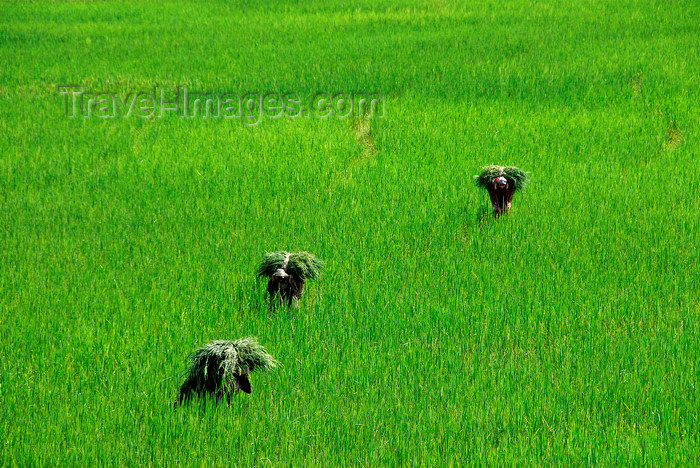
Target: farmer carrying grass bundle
(221, 368)
(501, 183)
(287, 273)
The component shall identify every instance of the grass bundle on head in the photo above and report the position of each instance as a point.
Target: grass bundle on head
(301, 265)
(221, 368)
(516, 177)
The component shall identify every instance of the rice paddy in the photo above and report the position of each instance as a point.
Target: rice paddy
(563, 333)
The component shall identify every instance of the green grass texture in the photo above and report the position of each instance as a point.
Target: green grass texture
(565, 333)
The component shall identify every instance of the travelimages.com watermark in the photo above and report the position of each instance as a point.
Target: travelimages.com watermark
(250, 108)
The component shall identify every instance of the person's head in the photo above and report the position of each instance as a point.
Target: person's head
(241, 382)
(500, 183)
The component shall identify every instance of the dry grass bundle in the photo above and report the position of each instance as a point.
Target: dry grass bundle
(301, 265)
(221, 368)
(517, 178)
(287, 273)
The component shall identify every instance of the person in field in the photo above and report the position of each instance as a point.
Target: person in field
(287, 273)
(285, 287)
(222, 368)
(501, 182)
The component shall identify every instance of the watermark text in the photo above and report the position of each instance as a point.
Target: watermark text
(250, 107)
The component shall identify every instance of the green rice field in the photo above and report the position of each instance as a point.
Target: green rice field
(565, 333)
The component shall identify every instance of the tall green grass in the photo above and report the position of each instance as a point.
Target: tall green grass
(564, 333)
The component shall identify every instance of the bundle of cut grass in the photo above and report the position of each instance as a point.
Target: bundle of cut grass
(501, 182)
(221, 368)
(287, 273)
(301, 265)
(517, 178)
